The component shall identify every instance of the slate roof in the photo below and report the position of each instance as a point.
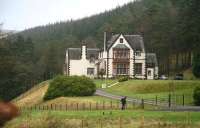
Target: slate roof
(92, 52)
(75, 53)
(151, 58)
(136, 41)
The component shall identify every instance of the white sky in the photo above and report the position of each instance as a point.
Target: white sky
(22, 14)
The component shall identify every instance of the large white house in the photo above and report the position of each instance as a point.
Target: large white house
(122, 55)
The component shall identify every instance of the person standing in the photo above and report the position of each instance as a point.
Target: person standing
(123, 103)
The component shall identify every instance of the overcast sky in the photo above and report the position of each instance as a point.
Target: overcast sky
(22, 14)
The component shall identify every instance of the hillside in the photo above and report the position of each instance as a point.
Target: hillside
(156, 20)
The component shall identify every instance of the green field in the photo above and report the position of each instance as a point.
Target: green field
(149, 89)
(108, 119)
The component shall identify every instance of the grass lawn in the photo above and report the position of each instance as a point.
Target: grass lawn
(93, 119)
(149, 89)
(99, 82)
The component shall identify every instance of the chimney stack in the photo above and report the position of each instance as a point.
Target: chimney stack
(83, 52)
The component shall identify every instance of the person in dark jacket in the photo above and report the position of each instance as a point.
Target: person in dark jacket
(123, 102)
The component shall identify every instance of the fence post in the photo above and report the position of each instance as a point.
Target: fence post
(156, 100)
(183, 99)
(120, 122)
(77, 106)
(82, 123)
(51, 107)
(142, 121)
(142, 103)
(66, 107)
(169, 101)
(90, 106)
(111, 104)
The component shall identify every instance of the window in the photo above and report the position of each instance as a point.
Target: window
(121, 69)
(138, 68)
(138, 53)
(90, 71)
(121, 40)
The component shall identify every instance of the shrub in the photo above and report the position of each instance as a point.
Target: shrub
(123, 78)
(196, 96)
(70, 86)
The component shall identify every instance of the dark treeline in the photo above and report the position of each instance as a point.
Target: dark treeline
(170, 29)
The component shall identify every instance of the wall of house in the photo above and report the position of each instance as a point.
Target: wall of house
(110, 56)
(79, 67)
(151, 75)
(65, 67)
(141, 59)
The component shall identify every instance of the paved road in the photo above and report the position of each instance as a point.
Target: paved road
(163, 105)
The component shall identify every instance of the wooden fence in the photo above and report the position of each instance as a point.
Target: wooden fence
(112, 105)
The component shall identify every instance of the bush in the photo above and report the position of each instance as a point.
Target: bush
(70, 86)
(196, 96)
(123, 78)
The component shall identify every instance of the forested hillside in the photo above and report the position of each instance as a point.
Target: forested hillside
(170, 28)
(159, 21)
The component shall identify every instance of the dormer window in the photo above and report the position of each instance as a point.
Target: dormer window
(121, 40)
(138, 53)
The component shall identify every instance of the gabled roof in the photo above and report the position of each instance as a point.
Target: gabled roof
(151, 58)
(75, 53)
(135, 41)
